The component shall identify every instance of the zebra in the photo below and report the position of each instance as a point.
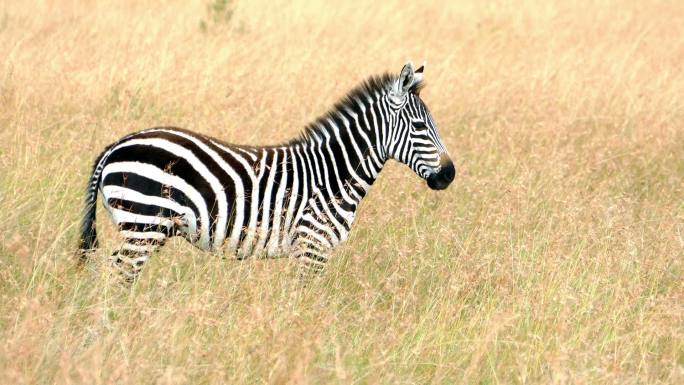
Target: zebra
(297, 199)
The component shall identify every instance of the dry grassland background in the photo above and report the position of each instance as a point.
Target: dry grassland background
(555, 257)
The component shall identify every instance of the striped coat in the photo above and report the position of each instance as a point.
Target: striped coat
(297, 199)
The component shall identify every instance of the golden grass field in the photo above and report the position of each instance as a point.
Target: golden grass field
(556, 257)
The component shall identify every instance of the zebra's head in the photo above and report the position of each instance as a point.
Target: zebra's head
(413, 138)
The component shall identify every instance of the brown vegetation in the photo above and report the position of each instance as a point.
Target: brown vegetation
(555, 257)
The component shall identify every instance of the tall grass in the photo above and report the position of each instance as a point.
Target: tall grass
(555, 257)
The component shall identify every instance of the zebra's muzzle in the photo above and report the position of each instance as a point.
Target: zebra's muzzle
(442, 178)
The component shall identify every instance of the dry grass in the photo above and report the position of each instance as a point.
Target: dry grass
(556, 257)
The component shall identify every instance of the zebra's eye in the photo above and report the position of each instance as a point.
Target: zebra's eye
(419, 125)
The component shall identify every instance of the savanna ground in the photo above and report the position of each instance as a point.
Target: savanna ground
(555, 257)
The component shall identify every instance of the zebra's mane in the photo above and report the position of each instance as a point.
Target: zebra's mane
(372, 88)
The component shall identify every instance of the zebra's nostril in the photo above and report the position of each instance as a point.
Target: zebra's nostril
(442, 178)
(448, 172)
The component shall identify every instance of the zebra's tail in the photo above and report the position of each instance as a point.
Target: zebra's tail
(88, 241)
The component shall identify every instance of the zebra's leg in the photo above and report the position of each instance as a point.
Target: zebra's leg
(130, 259)
(312, 256)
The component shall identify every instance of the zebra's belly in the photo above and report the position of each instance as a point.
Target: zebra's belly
(134, 211)
(265, 243)
(160, 217)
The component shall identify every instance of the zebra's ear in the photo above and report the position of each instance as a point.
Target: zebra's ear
(405, 81)
(418, 75)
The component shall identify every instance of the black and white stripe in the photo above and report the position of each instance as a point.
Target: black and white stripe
(296, 199)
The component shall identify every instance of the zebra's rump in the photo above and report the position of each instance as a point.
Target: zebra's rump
(166, 180)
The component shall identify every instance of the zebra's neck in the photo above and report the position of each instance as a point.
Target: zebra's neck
(344, 152)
